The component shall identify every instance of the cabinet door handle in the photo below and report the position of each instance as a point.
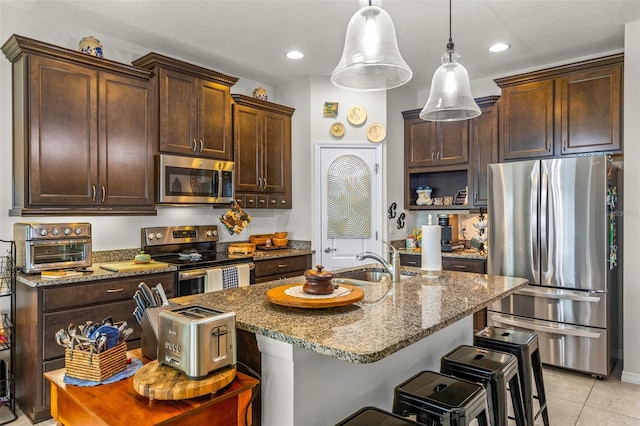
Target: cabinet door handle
(264, 183)
(438, 156)
(260, 182)
(93, 193)
(251, 200)
(273, 201)
(432, 154)
(261, 201)
(195, 145)
(104, 193)
(475, 197)
(115, 290)
(283, 201)
(201, 145)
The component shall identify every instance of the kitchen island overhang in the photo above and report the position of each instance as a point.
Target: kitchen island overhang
(351, 356)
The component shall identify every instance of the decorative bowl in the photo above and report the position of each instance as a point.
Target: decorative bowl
(439, 201)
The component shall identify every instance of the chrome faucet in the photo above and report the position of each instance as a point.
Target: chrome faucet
(393, 268)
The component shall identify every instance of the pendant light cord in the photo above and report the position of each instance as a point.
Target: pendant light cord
(450, 44)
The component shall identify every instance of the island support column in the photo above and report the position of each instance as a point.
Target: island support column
(302, 387)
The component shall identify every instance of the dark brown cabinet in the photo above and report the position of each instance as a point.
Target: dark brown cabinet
(194, 107)
(430, 143)
(43, 310)
(281, 267)
(83, 132)
(566, 110)
(484, 148)
(262, 145)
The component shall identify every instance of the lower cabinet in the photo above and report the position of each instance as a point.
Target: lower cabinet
(281, 267)
(478, 266)
(41, 311)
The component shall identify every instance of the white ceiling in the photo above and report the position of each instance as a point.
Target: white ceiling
(249, 38)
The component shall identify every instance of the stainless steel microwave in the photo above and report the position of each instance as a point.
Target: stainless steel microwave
(192, 180)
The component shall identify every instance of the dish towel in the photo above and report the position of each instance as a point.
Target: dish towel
(227, 277)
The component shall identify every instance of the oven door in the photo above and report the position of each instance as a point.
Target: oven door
(46, 255)
(193, 281)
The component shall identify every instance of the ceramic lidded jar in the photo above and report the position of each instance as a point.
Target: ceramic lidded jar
(91, 46)
(318, 281)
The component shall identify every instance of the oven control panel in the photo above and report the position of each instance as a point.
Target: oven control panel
(51, 231)
(179, 235)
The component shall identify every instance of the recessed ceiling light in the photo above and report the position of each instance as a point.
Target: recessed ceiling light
(294, 54)
(499, 47)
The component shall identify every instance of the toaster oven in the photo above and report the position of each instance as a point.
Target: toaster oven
(196, 339)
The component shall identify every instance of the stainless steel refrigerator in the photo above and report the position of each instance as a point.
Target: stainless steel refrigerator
(556, 223)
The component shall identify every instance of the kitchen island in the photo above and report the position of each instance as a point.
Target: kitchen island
(320, 365)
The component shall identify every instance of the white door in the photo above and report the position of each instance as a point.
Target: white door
(350, 210)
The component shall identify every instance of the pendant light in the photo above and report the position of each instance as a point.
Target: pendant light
(371, 59)
(450, 97)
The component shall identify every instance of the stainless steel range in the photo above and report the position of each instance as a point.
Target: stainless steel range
(192, 249)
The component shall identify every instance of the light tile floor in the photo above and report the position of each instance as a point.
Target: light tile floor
(573, 399)
(576, 399)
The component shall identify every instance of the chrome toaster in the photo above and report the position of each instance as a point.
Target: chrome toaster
(196, 339)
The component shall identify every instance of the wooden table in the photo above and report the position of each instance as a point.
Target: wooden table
(119, 404)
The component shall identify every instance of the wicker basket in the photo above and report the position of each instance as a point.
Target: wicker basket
(95, 367)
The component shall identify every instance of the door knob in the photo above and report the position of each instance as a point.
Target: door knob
(329, 249)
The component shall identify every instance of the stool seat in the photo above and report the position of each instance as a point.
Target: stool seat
(497, 371)
(523, 344)
(369, 416)
(435, 397)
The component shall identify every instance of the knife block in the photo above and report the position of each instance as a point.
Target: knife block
(149, 337)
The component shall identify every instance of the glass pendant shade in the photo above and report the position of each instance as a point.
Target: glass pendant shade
(450, 97)
(371, 59)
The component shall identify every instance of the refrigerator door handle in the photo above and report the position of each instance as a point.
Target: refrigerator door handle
(561, 296)
(554, 329)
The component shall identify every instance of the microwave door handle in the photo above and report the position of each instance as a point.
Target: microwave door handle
(530, 325)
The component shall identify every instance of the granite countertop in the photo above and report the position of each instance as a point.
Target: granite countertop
(466, 253)
(274, 254)
(389, 318)
(93, 273)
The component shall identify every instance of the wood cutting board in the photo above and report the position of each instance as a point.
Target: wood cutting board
(131, 266)
(161, 382)
(278, 296)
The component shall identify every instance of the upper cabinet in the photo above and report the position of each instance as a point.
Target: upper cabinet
(566, 110)
(483, 131)
(262, 145)
(83, 132)
(194, 107)
(430, 143)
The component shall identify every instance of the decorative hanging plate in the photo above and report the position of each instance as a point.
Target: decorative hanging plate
(337, 129)
(376, 132)
(357, 115)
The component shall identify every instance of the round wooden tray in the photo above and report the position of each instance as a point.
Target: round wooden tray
(161, 382)
(278, 296)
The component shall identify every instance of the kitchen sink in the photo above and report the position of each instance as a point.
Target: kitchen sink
(367, 276)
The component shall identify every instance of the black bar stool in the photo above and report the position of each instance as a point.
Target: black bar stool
(497, 371)
(369, 416)
(524, 345)
(440, 399)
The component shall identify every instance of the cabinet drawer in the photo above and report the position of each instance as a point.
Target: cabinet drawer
(282, 265)
(52, 322)
(414, 260)
(89, 293)
(478, 266)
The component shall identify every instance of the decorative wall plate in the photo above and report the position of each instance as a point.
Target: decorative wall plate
(376, 132)
(337, 129)
(357, 115)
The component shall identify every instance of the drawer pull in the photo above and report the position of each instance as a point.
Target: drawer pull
(282, 265)
(115, 290)
(460, 266)
(412, 263)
